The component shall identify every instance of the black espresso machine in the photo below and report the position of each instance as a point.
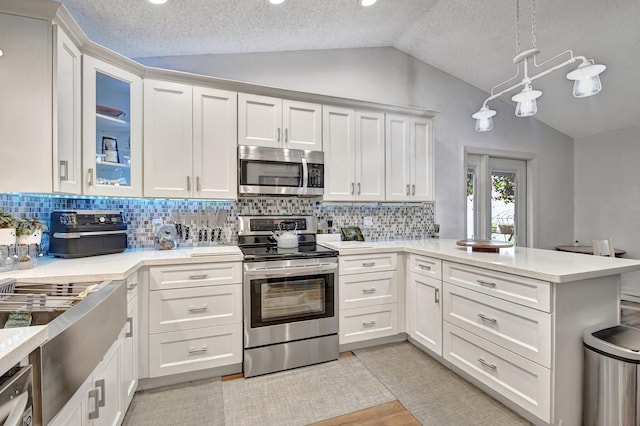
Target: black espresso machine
(81, 233)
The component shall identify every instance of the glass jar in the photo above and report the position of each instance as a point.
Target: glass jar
(7, 258)
(27, 256)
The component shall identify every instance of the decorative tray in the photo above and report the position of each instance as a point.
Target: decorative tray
(491, 246)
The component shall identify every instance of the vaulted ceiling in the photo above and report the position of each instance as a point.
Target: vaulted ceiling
(472, 40)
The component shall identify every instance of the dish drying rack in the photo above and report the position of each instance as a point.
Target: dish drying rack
(38, 297)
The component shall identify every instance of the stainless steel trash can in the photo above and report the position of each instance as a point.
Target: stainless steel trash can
(610, 390)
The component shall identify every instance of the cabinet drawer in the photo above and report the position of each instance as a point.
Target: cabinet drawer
(368, 323)
(521, 290)
(522, 330)
(522, 381)
(184, 351)
(427, 266)
(189, 308)
(368, 263)
(368, 289)
(194, 275)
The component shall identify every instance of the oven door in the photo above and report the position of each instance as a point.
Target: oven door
(286, 304)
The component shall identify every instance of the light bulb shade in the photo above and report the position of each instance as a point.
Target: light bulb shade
(367, 3)
(585, 70)
(587, 86)
(157, 1)
(484, 124)
(527, 94)
(276, 1)
(526, 108)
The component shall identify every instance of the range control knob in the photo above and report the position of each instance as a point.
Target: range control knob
(102, 219)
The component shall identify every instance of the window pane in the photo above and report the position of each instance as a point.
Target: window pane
(503, 213)
(471, 207)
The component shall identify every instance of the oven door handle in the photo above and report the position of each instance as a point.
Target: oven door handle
(285, 272)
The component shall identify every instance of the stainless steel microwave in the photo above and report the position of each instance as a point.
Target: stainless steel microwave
(280, 171)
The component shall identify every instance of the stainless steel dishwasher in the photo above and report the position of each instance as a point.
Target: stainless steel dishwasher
(16, 397)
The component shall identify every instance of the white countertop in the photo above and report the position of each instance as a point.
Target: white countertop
(17, 343)
(547, 265)
(118, 266)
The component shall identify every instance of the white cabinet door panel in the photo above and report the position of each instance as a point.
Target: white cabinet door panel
(339, 144)
(424, 307)
(259, 120)
(370, 164)
(215, 144)
(167, 139)
(302, 124)
(398, 158)
(422, 160)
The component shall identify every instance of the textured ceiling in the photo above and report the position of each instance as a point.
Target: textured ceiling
(470, 39)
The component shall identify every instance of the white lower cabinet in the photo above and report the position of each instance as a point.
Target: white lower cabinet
(129, 341)
(195, 317)
(368, 306)
(498, 329)
(98, 401)
(424, 311)
(522, 381)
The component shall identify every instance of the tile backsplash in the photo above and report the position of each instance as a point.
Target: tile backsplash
(388, 221)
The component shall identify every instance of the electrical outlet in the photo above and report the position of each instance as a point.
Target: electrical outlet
(367, 221)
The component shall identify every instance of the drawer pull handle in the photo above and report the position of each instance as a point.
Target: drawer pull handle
(368, 290)
(132, 285)
(198, 277)
(487, 283)
(486, 364)
(198, 351)
(368, 264)
(485, 318)
(425, 267)
(197, 309)
(368, 323)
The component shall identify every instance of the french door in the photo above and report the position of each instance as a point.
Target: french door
(496, 199)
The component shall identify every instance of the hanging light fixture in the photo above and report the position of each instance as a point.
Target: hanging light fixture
(586, 77)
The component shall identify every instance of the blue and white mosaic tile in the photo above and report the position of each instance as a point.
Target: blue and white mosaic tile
(388, 221)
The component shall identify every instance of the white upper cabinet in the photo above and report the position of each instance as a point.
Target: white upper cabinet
(25, 104)
(278, 123)
(409, 146)
(67, 114)
(112, 135)
(354, 154)
(190, 141)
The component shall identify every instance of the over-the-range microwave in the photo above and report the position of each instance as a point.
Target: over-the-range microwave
(280, 172)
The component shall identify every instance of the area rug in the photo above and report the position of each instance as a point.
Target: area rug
(304, 395)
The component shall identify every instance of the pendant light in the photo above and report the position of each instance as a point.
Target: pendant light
(586, 77)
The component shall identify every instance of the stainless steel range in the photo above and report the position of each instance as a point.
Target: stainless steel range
(290, 295)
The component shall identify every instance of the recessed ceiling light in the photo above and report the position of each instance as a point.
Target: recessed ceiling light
(157, 1)
(367, 3)
(276, 1)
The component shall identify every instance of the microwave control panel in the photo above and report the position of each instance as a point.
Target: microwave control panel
(316, 176)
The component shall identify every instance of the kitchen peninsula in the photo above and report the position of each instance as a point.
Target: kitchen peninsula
(510, 322)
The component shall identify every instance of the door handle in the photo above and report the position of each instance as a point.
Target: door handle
(286, 135)
(198, 187)
(413, 189)
(102, 400)
(130, 332)
(408, 189)
(437, 295)
(278, 140)
(358, 188)
(64, 164)
(93, 393)
(90, 177)
(188, 183)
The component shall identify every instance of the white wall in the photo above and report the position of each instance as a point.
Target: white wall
(607, 192)
(387, 75)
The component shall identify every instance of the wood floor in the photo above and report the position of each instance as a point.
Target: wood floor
(390, 414)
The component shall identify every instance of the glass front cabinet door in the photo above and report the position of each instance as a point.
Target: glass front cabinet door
(112, 135)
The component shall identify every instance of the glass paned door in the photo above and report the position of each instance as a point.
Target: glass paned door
(113, 131)
(496, 199)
